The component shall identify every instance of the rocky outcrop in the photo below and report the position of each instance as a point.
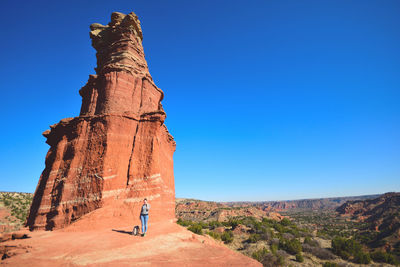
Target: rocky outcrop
(118, 150)
(382, 215)
(377, 210)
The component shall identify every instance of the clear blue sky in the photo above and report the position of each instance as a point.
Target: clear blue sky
(266, 100)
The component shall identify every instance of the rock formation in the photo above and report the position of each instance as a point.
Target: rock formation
(381, 216)
(118, 151)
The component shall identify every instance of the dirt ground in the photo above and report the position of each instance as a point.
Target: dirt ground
(166, 244)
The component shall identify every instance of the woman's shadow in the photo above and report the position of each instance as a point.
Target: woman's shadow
(122, 231)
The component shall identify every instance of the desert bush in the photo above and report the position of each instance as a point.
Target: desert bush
(254, 238)
(259, 255)
(311, 242)
(345, 248)
(287, 236)
(274, 241)
(267, 235)
(381, 256)
(214, 235)
(268, 259)
(203, 225)
(292, 230)
(330, 264)
(227, 236)
(233, 223)
(292, 246)
(299, 257)
(279, 228)
(274, 248)
(214, 224)
(286, 222)
(196, 228)
(248, 221)
(184, 222)
(258, 227)
(319, 252)
(280, 261)
(282, 253)
(362, 257)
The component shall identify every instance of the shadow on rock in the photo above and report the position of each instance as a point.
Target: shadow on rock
(123, 231)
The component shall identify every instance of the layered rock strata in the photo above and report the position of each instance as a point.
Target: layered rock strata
(118, 151)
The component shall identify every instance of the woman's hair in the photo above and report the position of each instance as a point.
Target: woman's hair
(144, 199)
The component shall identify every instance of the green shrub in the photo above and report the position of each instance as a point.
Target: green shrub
(286, 222)
(280, 261)
(259, 255)
(292, 246)
(274, 248)
(254, 238)
(362, 257)
(299, 257)
(268, 222)
(330, 264)
(279, 228)
(391, 259)
(267, 235)
(319, 252)
(381, 256)
(196, 228)
(214, 235)
(268, 259)
(345, 248)
(202, 224)
(184, 222)
(311, 242)
(214, 224)
(233, 223)
(227, 236)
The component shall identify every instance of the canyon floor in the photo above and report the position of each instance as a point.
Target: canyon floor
(166, 244)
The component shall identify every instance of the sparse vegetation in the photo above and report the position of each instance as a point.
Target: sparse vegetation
(319, 252)
(196, 228)
(269, 258)
(381, 256)
(306, 236)
(18, 204)
(299, 257)
(330, 264)
(227, 236)
(292, 246)
(349, 249)
(214, 235)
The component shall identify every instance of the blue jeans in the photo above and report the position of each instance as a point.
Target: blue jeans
(144, 219)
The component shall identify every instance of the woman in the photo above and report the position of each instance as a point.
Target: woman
(144, 216)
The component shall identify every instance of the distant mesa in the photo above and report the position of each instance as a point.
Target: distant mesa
(118, 150)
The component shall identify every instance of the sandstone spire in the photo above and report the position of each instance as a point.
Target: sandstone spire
(118, 150)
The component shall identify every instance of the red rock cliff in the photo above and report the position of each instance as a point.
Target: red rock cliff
(118, 151)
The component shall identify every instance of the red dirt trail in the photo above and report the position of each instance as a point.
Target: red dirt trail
(166, 244)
